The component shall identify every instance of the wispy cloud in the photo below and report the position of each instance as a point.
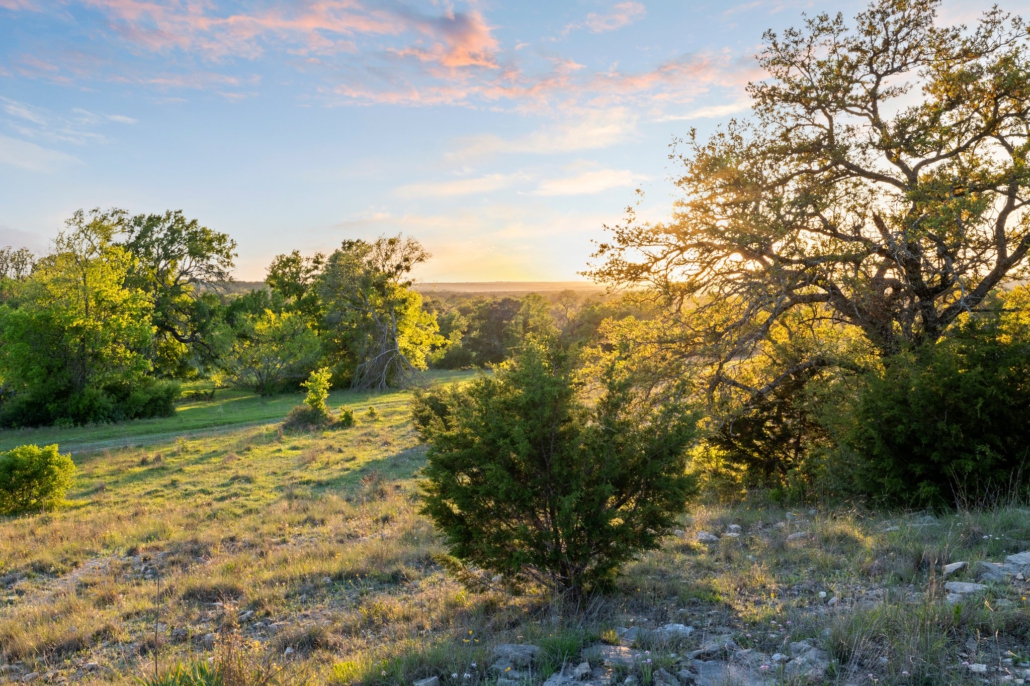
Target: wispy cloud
(458, 187)
(709, 112)
(78, 127)
(589, 182)
(32, 157)
(588, 131)
(361, 52)
(620, 15)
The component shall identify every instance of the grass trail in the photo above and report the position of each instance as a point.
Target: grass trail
(230, 410)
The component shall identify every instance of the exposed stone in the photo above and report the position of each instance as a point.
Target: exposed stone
(977, 668)
(797, 535)
(954, 567)
(719, 673)
(611, 655)
(996, 571)
(501, 681)
(31, 676)
(1019, 559)
(91, 666)
(246, 615)
(517, 654)
(705, 537)
(628, 637)
(812, 664)
(431, 681)
(674, 631)
(734, 529)
(663, 678)
(582, 671)
(630, 681)
(963, 587)
(713, 647)
(559, 679)
(800, 647)
(209, 640)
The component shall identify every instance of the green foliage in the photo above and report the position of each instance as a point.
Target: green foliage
(374, 327)
(293, 277)
(314, 412)
(33, 478)
(771, 436)
(196, 674)
(274, 351)
(75, 337)
(526, 479)
(175, 257)
(317, 385)
(345, 418)
(947, 425)
(888, 210)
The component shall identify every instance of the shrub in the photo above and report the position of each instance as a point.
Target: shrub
(317, 387)
(947, 425)
(44, 405)
(33, 478)
(528, 481)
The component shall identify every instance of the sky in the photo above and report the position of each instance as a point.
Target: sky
(504, 135)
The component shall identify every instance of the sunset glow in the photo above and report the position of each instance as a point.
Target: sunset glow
(502, 135)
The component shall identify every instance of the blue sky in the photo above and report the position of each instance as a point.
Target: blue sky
(503, 135)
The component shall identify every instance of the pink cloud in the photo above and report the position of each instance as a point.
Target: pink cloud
(368, 53)
(620, 15)
(462, 40)
(16, 5)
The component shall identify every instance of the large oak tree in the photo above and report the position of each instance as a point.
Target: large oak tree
(880, 184)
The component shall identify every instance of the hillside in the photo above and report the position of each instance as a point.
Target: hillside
(302, 558)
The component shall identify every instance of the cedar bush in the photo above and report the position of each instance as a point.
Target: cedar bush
(527, 479)
(33, 478)
(948, 425)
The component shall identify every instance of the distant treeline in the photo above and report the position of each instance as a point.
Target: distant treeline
(123, 308)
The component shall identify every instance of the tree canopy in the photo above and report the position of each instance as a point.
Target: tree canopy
(880, 185)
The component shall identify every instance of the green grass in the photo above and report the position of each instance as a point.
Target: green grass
(318, 534)
(230, 408)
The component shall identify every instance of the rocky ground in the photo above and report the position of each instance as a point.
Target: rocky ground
(304, 558)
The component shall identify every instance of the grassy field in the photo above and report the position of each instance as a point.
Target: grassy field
(230, 408)
(302, 559)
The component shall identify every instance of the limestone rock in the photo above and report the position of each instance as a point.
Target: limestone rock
(582, 671)
(997, 571)
(797, 535)
(1019, 559)
(518, 654)
(628, 637)
(663, 678)
(963, 588)
(713, 647)
(558, 679)
(431, 681)
(612, 655)
(734, 529)
(705, 537)
(812, 664)
(954, 567)
(674, 631)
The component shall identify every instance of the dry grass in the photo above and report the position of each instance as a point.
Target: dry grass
(302, 558)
